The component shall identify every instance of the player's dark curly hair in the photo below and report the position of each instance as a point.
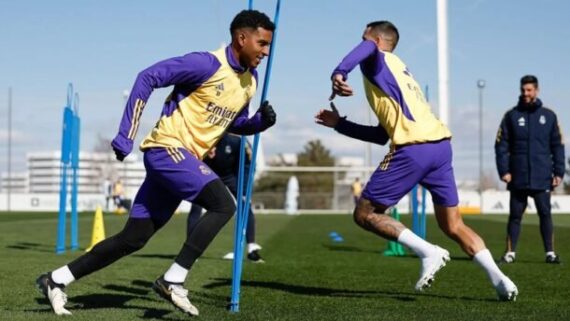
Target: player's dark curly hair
(387, 29)
(251, 19)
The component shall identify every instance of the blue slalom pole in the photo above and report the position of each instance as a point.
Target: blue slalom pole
(242, 216)
(65, 159)
(238, 239)
(75, 167)
(238, 232)
(415, 228)
(423, 215)
(60, 246)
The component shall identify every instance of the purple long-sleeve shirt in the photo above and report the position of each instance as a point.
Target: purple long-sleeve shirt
(187, 74)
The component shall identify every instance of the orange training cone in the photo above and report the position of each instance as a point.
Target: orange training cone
(98, 229)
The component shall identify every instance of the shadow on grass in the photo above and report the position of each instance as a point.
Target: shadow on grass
(170, 256)
(27, 246)
(330, 292)
(348, 248)
(310, 290)
(211, 299)
(126, 289)
(112, 301)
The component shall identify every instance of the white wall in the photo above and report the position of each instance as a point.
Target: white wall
(49, 202)
(494, 202)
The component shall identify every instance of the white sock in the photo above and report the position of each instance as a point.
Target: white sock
(550, 253)
(421, 247)
(253, 247)
(62, 276)
(176, 274)
(485, 260)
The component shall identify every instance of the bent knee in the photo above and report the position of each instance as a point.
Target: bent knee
(216, 197)
(359, 217)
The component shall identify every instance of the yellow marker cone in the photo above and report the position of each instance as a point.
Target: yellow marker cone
(98, 229)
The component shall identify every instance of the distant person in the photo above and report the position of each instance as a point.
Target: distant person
(530, 158)
(356, 190)
(118, 195)
(420, 152)
(223, 159)
(108, 192)
(211, 95)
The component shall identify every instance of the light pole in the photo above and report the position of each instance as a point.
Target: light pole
(481, 86)
(9, 180)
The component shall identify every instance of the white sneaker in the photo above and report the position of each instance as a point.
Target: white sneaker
(176, 294)
(507, 290)
(229, 256)
(509, 257)
(54, 293)
(430, 265)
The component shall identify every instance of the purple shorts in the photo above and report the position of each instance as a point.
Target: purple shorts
(428, 164)
(172, 175)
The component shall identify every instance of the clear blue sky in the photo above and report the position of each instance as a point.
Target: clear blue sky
(100, 46)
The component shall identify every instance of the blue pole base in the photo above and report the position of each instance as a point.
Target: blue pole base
(234, 307)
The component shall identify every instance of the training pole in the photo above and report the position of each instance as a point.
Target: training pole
(75, 137)
(242, 217)
(65, 159)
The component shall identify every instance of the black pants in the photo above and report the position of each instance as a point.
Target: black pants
(518, 204)
(231, 183)
(137, 231)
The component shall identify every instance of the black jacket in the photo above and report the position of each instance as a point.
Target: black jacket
(226, 161)
(529, 146)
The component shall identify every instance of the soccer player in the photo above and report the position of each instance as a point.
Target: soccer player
(211, 94)
(224, 161)
(530, 158)
(420, 152)
(356, 190)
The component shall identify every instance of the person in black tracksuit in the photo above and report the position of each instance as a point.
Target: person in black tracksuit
(530, 158)
(223, 159)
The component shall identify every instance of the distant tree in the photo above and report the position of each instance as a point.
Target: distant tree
(315, 187)
(315, 154)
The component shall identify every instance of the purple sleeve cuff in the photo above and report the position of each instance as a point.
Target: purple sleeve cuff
(354, 58)
(243, 125)
(122, 145)
(371, 134)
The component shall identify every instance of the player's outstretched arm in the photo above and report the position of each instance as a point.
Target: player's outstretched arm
(332, 119)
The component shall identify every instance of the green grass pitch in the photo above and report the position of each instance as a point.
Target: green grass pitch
(306, 276)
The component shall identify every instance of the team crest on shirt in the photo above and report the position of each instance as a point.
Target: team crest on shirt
(228, 149)
(542, 120)
(521, 122)
(205, 170)
(219, 89)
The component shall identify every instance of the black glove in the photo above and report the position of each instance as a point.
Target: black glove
(268, 115)
(119, 155)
